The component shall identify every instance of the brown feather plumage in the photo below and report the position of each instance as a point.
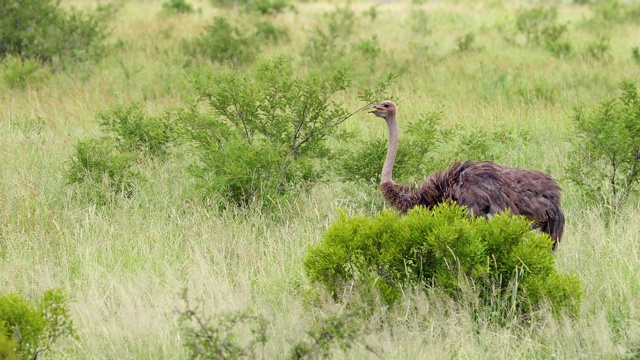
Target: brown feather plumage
(485, 188)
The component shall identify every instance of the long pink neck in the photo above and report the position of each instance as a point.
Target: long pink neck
(387, 169)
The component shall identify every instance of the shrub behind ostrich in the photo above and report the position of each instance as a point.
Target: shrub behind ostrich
(485, 188)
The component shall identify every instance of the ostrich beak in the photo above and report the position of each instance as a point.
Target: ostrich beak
(374, 107)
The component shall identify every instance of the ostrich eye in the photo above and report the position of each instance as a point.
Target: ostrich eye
(386, 105)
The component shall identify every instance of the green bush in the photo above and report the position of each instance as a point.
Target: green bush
(369, 49)
(365, 163)
(371, 12)
(481, 143)
(265, 130)
(508, 266)
(261, 6)
(326, 43)
(605, 159)
(223, 42)
(268, 6)
(615, 11)
(420, 141)
(424, 148)
(33, 327)
(599, 50)
(101, 170)
(534, 22)
(135, 132)
(40, 30)
(465, 43)
(17, 73)
(635, 54)
(538, 26)
(177, 7)
(267, 32)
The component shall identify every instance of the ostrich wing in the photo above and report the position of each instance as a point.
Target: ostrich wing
(481, 187)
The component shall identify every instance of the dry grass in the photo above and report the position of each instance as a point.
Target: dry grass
(126, 265)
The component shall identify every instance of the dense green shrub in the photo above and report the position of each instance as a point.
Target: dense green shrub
(502, 261)
(33, 327)
(101, 170)
(605, 159)
(135, 132)
(264, 131)
(40, 30)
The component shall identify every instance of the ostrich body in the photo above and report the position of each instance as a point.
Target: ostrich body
(485, 188)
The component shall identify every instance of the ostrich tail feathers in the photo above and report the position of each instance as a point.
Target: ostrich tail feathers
(555, 226)
(401, 197)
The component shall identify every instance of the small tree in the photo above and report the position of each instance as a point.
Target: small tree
(40, 30)
(32, 327)
(265, 130)
(605, 160)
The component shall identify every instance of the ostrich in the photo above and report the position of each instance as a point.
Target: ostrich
(485, 188)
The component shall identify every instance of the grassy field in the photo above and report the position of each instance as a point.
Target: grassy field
(125, 264)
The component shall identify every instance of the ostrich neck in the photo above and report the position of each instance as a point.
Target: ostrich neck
(387, 169)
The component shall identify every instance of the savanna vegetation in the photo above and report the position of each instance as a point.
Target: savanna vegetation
(198, 179)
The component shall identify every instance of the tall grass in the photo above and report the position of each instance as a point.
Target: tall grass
(125, 264)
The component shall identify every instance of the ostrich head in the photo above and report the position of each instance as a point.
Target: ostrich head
(385, 109)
